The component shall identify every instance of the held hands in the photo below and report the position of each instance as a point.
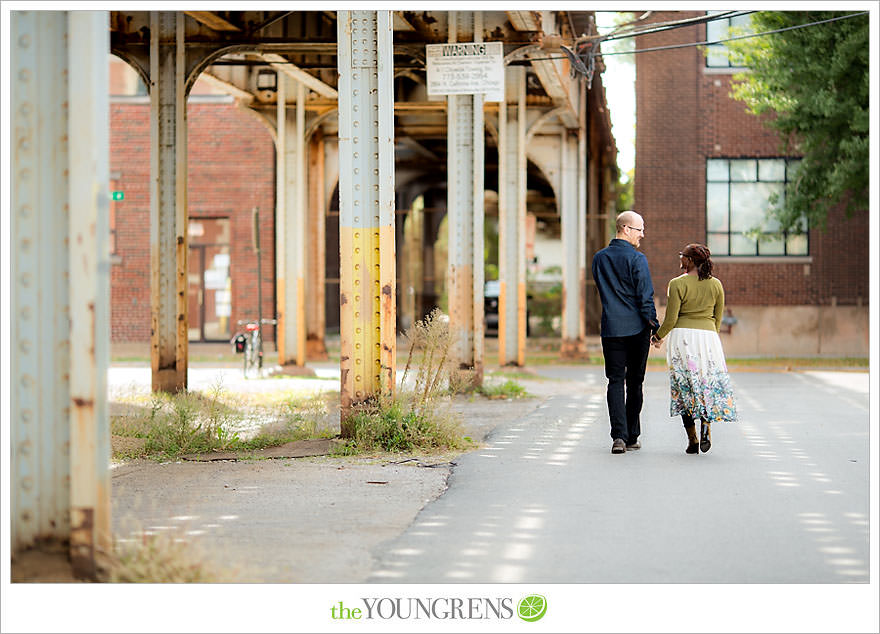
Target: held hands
(655, 341)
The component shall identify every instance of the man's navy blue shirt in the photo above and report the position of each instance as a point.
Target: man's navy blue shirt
(624, 282)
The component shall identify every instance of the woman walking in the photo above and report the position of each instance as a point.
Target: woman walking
(698, 381)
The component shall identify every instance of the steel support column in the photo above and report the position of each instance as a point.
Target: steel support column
(366, 207)
(465, 169)
(573, 343)
(40, 297)
(60, 282)
(583, 160)
(292, 246)
(89, 138)
(280, 211)
(512, 219)
(316, 251)
(168, 205)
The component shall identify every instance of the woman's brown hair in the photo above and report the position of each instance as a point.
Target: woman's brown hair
(699, 254)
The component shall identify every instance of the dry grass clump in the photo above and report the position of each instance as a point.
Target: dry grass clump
(418, 417)
(160, 558)
(165, 426)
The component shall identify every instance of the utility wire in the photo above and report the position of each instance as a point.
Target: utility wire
(739, 37)
(666, 26)
(709, 43)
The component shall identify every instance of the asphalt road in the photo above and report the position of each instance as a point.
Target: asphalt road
(782, 497)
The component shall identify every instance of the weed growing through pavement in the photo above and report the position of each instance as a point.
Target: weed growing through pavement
(167, 426)
(509, 389)
(418, 416)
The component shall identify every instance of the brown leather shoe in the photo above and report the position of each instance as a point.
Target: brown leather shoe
(618, 446)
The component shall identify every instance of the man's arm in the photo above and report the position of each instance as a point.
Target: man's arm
(645, 292)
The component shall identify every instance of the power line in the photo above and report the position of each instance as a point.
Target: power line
(739, 37)
(658, 27)
(707, 43)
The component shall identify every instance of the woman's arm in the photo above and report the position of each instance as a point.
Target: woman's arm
(719, 307)
(673, 306)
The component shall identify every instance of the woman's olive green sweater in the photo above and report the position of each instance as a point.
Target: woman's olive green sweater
(693, 303)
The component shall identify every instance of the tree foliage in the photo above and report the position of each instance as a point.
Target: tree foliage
(813, 82)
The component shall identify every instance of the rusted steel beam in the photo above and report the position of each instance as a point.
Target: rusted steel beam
(512, 218)
(212, 21)
(168, 205)
(227, 87)
(299, 225)
(465, 197)
(583, 158)
(39, 373)
(366, 196)
(90, 529)
(291, 241)
(573, 342)
(315, 290)
(280, 63)
(281, 214)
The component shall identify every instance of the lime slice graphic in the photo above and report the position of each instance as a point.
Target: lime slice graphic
(532, 608)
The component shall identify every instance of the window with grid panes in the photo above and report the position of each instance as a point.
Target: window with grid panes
(719, 29)
(738, 193)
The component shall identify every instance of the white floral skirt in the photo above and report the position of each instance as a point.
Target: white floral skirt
(698, 381)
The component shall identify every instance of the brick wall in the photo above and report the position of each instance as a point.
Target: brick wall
(231, 170)
(684, 115)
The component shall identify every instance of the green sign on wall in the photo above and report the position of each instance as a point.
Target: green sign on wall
(117, 195)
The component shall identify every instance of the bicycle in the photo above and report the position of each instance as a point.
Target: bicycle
(250, 344)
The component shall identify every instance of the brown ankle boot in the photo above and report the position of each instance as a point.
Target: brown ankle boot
(693, 441)
(705, 437)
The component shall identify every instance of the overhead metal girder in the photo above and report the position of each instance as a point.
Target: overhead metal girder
(212, 21)
(366, 207)
(465, 167)
(512, 219)
(281, 64)
(550, 72)
(168, 205)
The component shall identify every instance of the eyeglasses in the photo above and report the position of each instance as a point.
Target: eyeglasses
(634, 229)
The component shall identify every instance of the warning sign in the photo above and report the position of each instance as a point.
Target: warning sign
(466, 68)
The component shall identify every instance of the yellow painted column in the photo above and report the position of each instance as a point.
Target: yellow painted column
(366, 208)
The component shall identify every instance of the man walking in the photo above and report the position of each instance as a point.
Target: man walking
(628, 321)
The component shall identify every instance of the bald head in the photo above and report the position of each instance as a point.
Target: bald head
(630, 227)
(628, 217)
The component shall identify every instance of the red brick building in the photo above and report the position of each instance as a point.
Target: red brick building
(231, 171)
(704, 167)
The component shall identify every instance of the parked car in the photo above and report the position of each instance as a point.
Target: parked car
(491, 295)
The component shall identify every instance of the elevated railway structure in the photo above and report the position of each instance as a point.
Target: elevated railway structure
(345, 97)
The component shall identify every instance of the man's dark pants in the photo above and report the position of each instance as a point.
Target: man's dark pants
(625, 359)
